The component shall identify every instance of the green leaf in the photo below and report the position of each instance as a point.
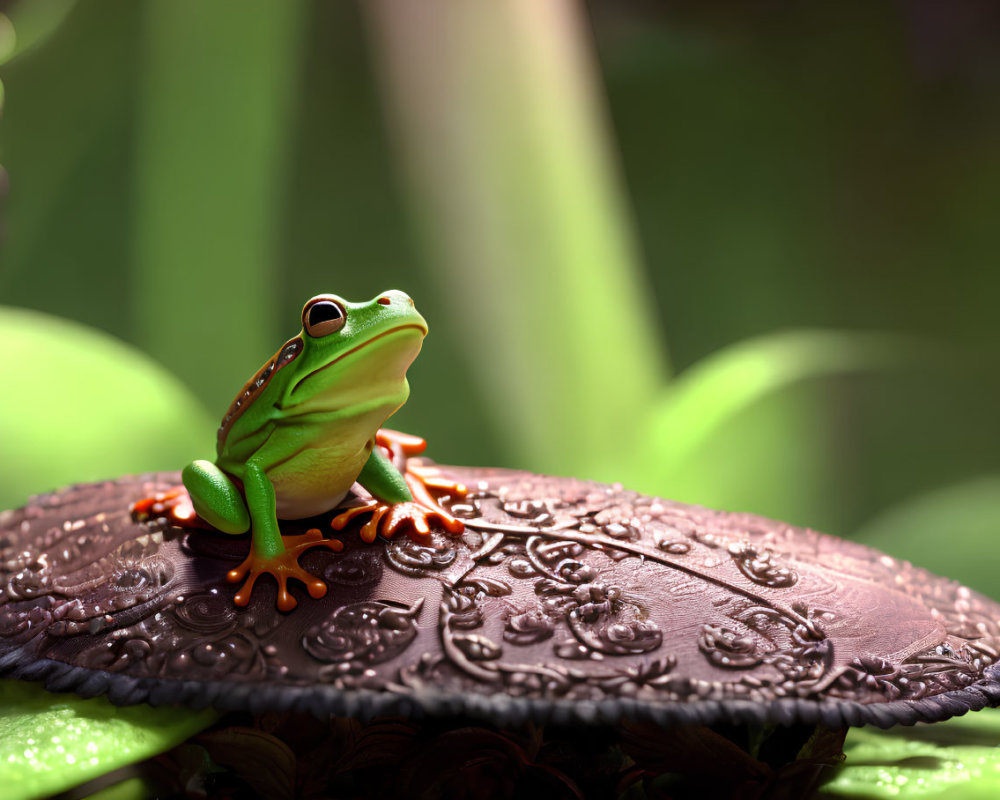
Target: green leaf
(127, 789)
(78, 405)
(966, 516)
(50, 743)
(728, 382)
(748, 428)
(958, 758)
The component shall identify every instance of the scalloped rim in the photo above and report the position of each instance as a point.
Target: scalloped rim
(499, 708)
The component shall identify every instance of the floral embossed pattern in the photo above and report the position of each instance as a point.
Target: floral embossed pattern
(563, 600)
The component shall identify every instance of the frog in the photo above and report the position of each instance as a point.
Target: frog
(305, 430)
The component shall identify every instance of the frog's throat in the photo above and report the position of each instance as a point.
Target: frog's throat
(342, 356)
(378, 409)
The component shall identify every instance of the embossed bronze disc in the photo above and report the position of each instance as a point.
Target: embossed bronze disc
(564, 601)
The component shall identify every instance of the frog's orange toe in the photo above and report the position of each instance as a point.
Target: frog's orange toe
(339, 522)
(431, 478)
(423, 479)
(174, 505)
(369, 530)
(417, 515)
(283, 567)
(242, 597)
(389, 519)
(405, 443)
(285, 600)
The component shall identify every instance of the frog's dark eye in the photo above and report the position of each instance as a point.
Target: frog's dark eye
(323, 316)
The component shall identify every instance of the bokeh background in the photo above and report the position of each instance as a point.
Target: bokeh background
(737, 254)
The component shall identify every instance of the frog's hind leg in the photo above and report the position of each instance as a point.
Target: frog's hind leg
(269, 552)
(281, 567)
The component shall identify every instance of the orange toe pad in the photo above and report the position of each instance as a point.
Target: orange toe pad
(283, 567)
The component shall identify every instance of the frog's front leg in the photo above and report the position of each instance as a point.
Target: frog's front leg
(218, 501)
(421, 478)
(394, 504)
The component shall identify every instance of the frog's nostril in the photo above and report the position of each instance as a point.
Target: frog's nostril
(383, 301)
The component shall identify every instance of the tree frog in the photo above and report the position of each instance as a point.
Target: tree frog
(304, 428)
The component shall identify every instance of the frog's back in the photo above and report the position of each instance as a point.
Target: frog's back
(253, 389)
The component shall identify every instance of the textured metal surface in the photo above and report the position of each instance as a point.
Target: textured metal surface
(563, 601)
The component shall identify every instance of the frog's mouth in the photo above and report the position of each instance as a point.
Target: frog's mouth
(405, 362)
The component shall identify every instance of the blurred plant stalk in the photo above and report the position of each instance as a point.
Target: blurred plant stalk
(497, 115)
(213, 120)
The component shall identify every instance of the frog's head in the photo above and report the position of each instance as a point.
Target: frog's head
(348, 364)
(351, 355)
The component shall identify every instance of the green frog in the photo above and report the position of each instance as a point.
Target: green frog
(303, 430)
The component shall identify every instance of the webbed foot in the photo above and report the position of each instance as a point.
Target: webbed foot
(174, 505)
(400, 445)
(283, 566)
(424, 480)
(389, 519)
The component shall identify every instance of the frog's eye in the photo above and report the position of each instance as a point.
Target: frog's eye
(323, 316)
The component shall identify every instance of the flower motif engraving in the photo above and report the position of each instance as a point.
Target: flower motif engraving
(355, 568)
(360, 635)
(761, 566)
(477, 648)
(528, 627)
(418, 560)
(727, 648)
(208, 612)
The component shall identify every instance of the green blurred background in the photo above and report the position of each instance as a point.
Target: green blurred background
(736, 254)
(739, 254)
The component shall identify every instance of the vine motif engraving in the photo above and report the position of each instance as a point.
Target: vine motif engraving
(924, 674)
(558, 590)
(799, 653)
(597, 618)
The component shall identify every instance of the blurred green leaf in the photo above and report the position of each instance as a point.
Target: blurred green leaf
(25, 24)
(725, 384)
(65, 141)
(79, 405)
(128, 789)
(517, 192)
(34, 21)
(958, 758)
(944, 530)
(744, 428)
(50, 743)
(8, 39)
